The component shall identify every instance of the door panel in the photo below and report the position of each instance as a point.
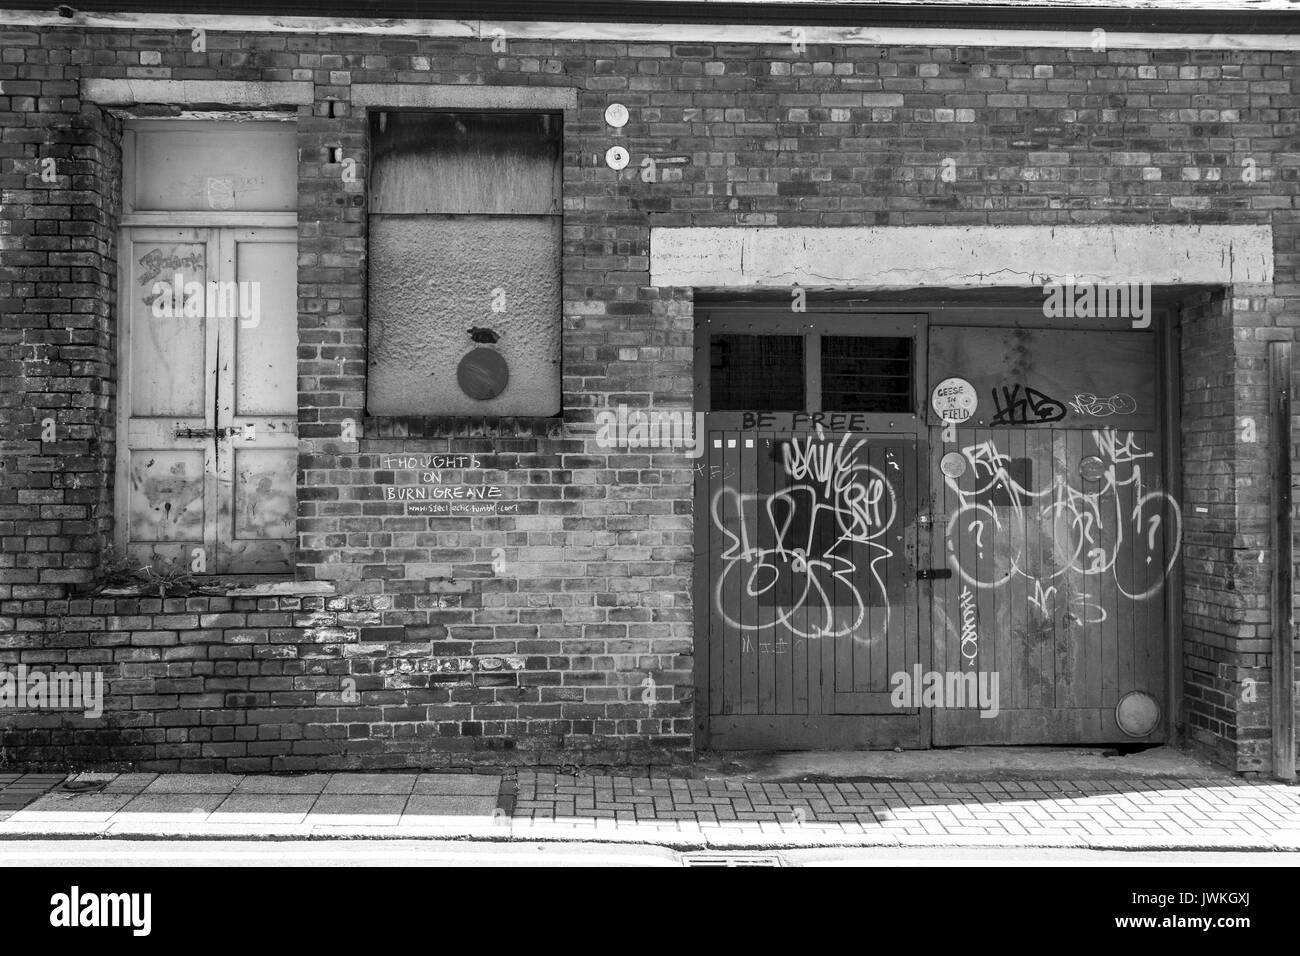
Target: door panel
(806, 497)
(1057, 530)
(257, 435)
(209, 470)
(169, 480)
(169, 346)
(812, 568)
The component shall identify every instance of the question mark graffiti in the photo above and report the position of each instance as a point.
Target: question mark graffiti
(1154, 522)
(979, 535)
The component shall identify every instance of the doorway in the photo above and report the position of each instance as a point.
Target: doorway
(870, 573)
(207, 464)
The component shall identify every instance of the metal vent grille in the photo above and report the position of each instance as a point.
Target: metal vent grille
(730, 859)
(756, 372)
(866, 373)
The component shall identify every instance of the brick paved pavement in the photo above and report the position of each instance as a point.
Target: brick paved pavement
(724, 812)
(1095, 812)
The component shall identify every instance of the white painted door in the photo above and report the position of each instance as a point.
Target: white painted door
(208, 472)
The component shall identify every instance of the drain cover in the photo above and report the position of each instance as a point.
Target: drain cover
(730, 859)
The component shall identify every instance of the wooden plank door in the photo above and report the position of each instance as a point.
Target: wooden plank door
(812, 598)
(1051, 513)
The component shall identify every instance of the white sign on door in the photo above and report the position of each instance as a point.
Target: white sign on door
(954, 400)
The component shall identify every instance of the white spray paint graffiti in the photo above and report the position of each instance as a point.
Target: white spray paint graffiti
(970, 641)
(1087, 403)
(1135, 521)
(862, 506)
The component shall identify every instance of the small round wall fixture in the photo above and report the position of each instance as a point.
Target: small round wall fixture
(616, 115)
(1092, 468)
(616, 157)
(953, 464)
(483, 374)
(1137, 713)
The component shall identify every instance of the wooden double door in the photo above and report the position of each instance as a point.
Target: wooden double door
(208, 472)
(871, 576)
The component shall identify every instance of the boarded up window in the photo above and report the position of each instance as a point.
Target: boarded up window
(464, 284)
(756, 372)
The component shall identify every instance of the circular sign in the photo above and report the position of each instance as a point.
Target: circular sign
(616, 157)
(1137, 713)
(954, 400)
(1092, 468)
(953, 464)
(616, 115)
(483, 374)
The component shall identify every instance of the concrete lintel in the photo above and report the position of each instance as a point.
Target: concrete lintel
(899, 257)
(479, 31)
(204, 92)
(464, 96)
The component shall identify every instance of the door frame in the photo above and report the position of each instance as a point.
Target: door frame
(197, 220)
(930, 307)
(821, 731)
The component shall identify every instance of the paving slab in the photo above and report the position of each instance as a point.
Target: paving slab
(169, 807)
(312, 783)
(79, 808)
(263, 808)
(196, 783)
(371, 783)
(468, 784)
(345, 810)
(451, 805)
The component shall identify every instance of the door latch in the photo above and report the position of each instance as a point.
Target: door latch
(213, 432)
(195, 433)
(931, 574)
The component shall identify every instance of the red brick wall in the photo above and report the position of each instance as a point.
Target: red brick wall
(595, 595)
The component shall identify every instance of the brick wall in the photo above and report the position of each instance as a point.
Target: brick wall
(548, 658)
